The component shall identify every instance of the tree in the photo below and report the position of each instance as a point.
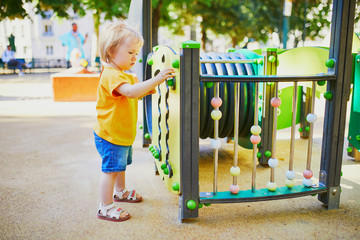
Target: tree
(11, 9)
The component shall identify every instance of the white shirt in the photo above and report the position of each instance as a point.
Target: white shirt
(7, 56)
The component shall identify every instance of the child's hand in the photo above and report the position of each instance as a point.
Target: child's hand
(165, 74)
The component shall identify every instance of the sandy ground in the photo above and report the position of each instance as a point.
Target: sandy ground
(50, 173)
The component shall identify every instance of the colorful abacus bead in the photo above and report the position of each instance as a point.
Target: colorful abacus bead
(235, 171)
(290, 174)
(289, 183)
(216, 102)
(273, 162)
(216, 114)
(215, 143)
(255, 139)
(275, 102)
(307, 182)
(255, 130)
(234, 189)
(307, 174)
(271, 186)
(311, 118)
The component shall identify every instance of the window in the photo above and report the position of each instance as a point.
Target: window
(49, 50)
(48, 30)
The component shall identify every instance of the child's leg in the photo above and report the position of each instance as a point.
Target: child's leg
(120, 181)
(107, 182)
(120, 185)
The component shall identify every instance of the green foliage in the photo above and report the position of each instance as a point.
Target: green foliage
(12, 9)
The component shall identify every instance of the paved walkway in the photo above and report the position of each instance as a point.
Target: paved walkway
(50, 172)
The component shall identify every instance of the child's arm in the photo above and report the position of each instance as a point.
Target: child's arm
(140, 89)
(151, 92)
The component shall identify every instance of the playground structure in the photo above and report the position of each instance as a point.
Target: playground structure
(178, 113)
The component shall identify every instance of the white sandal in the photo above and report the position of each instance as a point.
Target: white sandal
(113, 215)
(119, 196)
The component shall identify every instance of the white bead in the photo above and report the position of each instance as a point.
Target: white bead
(290, 175)
(215, 143)
(271, 186)
(311, 118)
(255, 130)
(273, 162)
(289, 183)
(307, 182)
(235, 171)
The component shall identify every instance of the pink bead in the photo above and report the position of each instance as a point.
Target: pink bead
(255, 139)
(216, 102)
(275, 102)
(308, 174)
(234, 189)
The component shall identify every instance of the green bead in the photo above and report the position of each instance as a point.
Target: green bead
(258, 155)
(357, 137)
(209, 84)
(272, 58)
(349, 149)
(175, 63)
(267, 154)
(170, 82)
(150, 61)
(341, 173)
(155, 48)
(313, 195)
(270, 83)
(166, 171)
(300, 129)
(140, 60)
(330, 63)
(201, 205)
(260, 108)
(328, 95)
(321, 83)
(207, 204)
(191, 204)
(163, 166)
(230, 50)
(141, 126)
(260, 97)
(147, 136)
(175, 186)
(259, 61)
(307, 129)
(156, 155)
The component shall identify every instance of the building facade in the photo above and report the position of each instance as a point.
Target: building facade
(37, 37)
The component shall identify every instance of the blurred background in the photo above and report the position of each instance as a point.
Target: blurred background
(34, 27)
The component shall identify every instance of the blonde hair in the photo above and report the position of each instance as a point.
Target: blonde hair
(113, 35)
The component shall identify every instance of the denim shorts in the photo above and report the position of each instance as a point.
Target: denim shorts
(115, 158)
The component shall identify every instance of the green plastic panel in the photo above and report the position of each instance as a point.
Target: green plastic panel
(190, 44)
(354, 126)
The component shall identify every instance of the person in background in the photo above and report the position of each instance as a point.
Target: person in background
(73, 40)
(8, 57)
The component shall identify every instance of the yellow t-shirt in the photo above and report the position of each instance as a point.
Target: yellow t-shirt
(117, 114)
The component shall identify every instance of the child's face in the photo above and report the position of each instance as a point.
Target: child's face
(124, 57)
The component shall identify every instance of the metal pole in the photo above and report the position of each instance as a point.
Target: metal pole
(311, 133)
(255, 148)
(236, 128)
(216, 137)
(293, 125)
